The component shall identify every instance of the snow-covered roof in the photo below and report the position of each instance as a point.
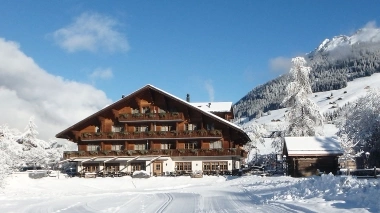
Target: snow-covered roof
(318, 145)
(214, 106)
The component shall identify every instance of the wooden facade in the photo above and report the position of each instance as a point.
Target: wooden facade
(153, 123)
(307, 156)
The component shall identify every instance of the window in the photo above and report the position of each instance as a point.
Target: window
(139, 146)
(164, 128)
(165, 146)
(167, 128)
(138, 166)
(117, 128)
(90, 167)
(190, 127)
(191, 145)
(112, 167)
(218, 165)
(93, 147)
(216, 145)
(158, 166)
(117, 147)
(141, 128)
(145, 110)
(210, 126)
(183, 166)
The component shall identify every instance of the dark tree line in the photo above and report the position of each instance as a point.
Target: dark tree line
(330, 71)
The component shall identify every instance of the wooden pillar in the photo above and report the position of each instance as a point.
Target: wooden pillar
(125, 145)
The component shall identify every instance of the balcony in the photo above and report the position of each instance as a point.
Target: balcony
(159, 152)
(139, 117)
(102, 136)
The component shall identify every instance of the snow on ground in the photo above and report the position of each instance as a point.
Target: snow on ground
(184, 194)
(355, 89)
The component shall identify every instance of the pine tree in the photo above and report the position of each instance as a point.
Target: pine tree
(303, 115)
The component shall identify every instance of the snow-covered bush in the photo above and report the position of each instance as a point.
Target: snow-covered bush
(21, 149)
(362, 124)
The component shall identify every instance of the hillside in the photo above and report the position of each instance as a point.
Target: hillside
(334, 63)
(328, 101)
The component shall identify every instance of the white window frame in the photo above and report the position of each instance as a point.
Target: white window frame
(93, 147)
(116, 147)
(139, 147)
(165, 146)
(216, 145)
(117, 128)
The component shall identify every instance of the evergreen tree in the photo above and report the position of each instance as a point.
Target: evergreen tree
(303, 115)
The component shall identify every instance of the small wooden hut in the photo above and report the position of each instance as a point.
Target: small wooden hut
(306, 156)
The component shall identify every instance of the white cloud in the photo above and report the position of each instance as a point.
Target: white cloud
(27, 90)
(100, 73)
(210, 90)
(91, 32)
(371, 25)
(280, 64)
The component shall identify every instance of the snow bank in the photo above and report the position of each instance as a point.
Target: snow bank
(363, 193)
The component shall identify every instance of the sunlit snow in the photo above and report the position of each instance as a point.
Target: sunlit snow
(184, 194)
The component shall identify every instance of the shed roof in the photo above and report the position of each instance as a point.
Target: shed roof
(312, 146)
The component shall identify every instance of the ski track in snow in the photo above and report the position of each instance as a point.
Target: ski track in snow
(164, 195)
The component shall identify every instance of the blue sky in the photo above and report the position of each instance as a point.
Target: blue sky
(213, 50)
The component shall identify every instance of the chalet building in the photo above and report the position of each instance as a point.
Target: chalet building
(155, 131)
(306, 156)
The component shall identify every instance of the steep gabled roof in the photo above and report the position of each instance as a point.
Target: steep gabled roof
(310, 146)
(111, 106)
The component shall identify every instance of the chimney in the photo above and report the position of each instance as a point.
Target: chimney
(122, 96)
(188, 97)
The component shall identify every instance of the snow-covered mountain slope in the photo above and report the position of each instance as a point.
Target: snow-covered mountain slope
(334, 63)
(327, 101)
(368, 34)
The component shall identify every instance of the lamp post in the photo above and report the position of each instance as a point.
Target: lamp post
(285, 165)
(367, 157)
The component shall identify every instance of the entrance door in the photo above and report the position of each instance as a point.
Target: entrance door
(157, 168)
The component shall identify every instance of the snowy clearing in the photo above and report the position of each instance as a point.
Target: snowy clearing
(185, 194)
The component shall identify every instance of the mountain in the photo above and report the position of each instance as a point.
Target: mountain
(334, 63)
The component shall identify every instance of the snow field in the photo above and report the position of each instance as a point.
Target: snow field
(208, 194)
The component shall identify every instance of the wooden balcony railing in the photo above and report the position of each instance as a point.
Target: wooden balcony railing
(161, 152)
(135, 117)
(93, 136)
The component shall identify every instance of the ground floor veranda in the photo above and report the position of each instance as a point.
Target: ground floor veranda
(154, 165)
